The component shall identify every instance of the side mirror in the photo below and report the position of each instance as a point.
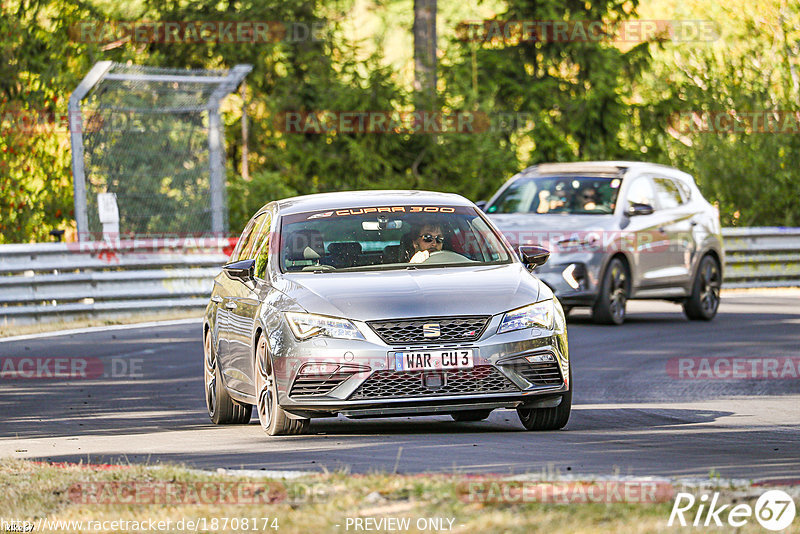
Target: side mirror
(241, 270)
(481, 205)
(639, 209)
(533, 256)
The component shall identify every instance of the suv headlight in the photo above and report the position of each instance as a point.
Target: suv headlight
(308, 325)
(540, 314)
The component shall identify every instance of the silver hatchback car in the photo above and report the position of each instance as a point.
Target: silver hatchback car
(377, 304)
(616, 230)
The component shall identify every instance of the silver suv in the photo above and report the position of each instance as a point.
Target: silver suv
(616, 230)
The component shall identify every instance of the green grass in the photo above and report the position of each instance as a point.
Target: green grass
(313, 503)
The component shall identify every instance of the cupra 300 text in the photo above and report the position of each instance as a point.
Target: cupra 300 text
(379, 304)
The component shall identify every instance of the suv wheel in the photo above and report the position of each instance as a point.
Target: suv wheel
(703, 303)
(610, 305)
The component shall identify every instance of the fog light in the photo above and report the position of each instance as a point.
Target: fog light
(319, 369)
(569, 278)
(575, 275)
(541, 358)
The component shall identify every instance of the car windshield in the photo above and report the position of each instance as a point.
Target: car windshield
(559, 194)
(389, 237)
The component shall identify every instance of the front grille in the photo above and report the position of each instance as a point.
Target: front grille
(308, 385)
(468, 328)
(538, 374)
(395, 384)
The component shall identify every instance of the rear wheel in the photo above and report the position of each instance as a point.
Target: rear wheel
(703, 303)
(548, 418)
(610, 305)
(470, 415)
(274, 420)
(222, 409)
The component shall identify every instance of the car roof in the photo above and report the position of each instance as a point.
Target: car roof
(363, 199)
(610, 168)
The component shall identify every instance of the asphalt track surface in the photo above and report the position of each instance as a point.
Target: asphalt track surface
(631, 417)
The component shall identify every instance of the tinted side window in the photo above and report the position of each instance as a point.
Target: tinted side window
(686, 191)
(669, 196)
(248, 229)
(641, 192)
(261, 247)
(248, 238)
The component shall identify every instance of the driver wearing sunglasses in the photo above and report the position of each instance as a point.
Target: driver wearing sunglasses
(428, 240)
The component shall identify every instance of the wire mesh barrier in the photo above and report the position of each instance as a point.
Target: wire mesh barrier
(43, 282)
(148, 152)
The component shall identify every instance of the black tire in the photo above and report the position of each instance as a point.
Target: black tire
(609, 308)
(222, 409)
(274, 420)
(703, 303)
(470, 415)
(548, 418)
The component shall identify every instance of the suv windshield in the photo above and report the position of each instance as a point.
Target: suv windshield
(559, 194)
(388, 237)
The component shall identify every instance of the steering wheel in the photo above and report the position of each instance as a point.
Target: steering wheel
(446, 256)
(320, 267)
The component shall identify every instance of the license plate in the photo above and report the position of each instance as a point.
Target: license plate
(431, 360)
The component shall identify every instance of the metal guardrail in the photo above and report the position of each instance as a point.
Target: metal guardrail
(61, 281)
(44, 282)
(761, 257)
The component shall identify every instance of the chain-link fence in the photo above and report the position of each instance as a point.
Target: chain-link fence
(153, 138)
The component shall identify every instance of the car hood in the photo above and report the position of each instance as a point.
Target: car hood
(368, 296)
(535, 228)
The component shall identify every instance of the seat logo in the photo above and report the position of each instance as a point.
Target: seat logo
(431, 330)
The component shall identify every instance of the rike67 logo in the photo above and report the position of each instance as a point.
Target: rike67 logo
(774, 510)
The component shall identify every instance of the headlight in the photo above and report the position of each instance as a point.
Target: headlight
(307, 325)
(539, 314)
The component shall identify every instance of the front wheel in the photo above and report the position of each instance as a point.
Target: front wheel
(222, 409)
(274, 420)
(703, 303)
(610, 305)
(548, 418)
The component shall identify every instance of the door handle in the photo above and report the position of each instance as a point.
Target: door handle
(230, 305)
(216, 299)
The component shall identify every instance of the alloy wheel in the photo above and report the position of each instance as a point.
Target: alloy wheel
(264, 384)
(617, 292)
(711, 283)
(210, 375)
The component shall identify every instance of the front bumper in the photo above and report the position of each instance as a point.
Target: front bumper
(360, 380)
(573, 277)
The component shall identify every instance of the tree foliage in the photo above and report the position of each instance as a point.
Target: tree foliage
(586, 100)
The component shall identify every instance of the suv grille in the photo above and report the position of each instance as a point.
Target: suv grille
(467, 328)
(393, 384)
(306, 385)
(538, 374)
